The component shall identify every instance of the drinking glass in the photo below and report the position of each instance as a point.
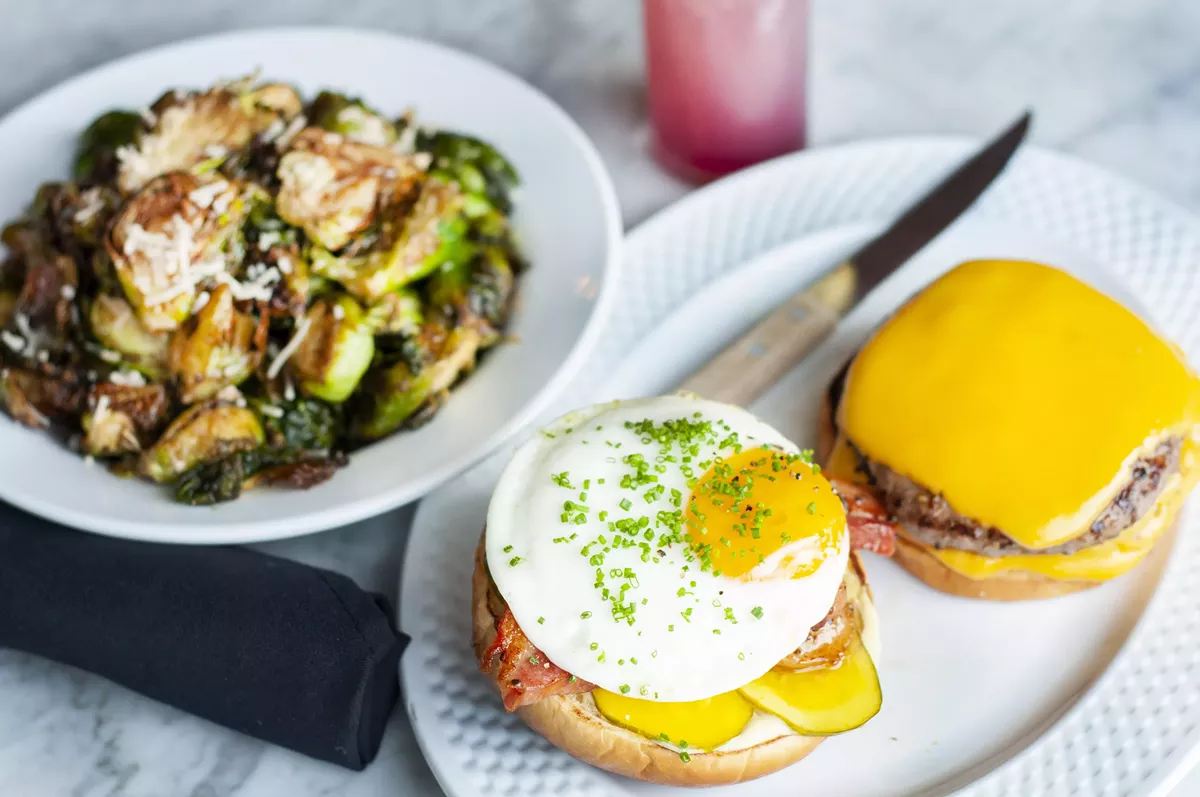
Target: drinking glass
(726, 82)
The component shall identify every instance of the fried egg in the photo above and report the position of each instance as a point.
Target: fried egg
(670, 548)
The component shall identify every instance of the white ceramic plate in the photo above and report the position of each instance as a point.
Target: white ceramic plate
(567, 217)
(1090, 694)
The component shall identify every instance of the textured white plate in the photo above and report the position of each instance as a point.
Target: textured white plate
(980, 699)
(567, 217)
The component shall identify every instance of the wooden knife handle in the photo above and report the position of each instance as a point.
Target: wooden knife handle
(766, 353)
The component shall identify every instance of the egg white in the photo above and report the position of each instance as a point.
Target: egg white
(550, 586)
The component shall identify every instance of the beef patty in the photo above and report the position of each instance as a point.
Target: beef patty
(929, 518)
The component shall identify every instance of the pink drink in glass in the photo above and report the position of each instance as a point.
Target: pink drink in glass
(726, 82)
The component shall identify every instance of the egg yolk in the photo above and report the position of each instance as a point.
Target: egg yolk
(764, 513)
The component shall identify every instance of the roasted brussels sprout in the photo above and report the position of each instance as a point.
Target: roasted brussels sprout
(336, 349)
(477, 165)
(331, 187)
(96, 154)
(36, 399)
(190, 129)
(433, 232)
(277, 98)
(475, 294)
(397, 393)
(397, 312)
(213, 350)
(173, 233)
(121, 417)
(107, 433)
(351, 118)
(202, 433)
(114, 324)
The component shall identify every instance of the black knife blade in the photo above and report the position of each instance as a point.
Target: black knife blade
(761, 357)
(935, 211)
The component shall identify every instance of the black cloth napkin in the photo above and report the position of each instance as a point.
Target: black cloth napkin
(295, 655)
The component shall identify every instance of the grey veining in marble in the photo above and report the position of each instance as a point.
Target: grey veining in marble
(1115, 81)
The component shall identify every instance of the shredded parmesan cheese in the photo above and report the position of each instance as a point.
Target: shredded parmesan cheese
(231, 394)
(268, 238)
(127, 378)
(100, 412)
(284, 139)
(288, 350)
(206, 194)
(12, 341)
(93, 203)
(271, 411)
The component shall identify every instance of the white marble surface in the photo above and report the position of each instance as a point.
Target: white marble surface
(1114, 81)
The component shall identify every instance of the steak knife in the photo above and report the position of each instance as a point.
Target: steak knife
(762, 356)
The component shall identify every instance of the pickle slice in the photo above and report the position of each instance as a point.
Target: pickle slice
(821, 701)
(702, 724)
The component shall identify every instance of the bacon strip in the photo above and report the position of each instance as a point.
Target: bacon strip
(828, 640)
(871, 529)
(525, 674)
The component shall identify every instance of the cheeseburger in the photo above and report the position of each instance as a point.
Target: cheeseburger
(1030, 436)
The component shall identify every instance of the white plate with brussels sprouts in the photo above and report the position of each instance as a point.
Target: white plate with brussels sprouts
(323, 272)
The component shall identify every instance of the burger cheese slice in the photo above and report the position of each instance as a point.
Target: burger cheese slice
(1030, 435)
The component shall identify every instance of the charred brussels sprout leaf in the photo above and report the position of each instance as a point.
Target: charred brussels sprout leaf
(212, 482)
(489, 293)
(303, 424)
(96, 154)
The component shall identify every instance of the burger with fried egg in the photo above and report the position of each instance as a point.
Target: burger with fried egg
(666, 588)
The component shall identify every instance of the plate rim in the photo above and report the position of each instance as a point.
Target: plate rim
(202, 533)
(1005, 776)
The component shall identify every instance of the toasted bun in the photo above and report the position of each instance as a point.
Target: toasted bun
(915, 557)
(573, 724)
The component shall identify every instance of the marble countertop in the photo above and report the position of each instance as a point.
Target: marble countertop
(1113, 81)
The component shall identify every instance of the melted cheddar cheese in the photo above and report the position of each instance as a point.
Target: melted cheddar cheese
(1098, 562)
(1022, 395)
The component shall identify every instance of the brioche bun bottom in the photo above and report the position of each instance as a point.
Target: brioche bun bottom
(573, 724)
(915, 557)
